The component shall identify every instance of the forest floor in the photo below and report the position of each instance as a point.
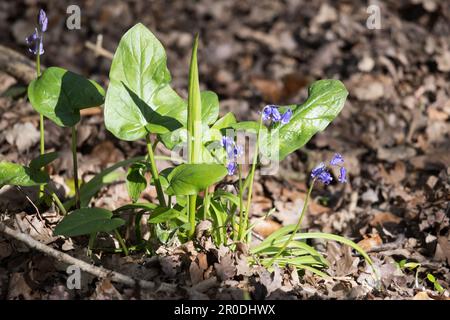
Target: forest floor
(393, 133)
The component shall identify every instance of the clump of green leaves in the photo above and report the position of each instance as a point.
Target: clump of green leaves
(141, 104)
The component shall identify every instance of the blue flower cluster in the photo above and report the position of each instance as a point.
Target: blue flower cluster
(233, 153)
(322, 174)
(271, 112)
(36, 40)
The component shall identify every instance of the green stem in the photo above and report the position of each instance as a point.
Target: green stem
(41, 121)
(192, 211)
(206, 204)
(92, 238)
(241, 205)
(121, 241)
(155, 174)
(297, 226)
(252, 172)
(75, 167)
(58, 203)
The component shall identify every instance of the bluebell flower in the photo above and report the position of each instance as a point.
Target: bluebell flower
(337, 160)
(322, 174)
(325, 177)
(237, 152)
(318, 170)
(342, 175)
(286, 117)
(43, 20)
(233, 152)
(231, 167)
(36, 40)
(268, 111)
(228, 145)
(276, 116)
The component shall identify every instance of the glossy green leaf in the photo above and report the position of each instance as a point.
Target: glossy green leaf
(43, 160)
(325, 100)
(225, 122)
(252, 126)
(59, 95)
(210, 107)
(136, 181)
(87, 221)
(189, 179)
(18, 175)
(139, 99)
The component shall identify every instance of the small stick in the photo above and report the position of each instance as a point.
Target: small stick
(98, 49)
(99, 272)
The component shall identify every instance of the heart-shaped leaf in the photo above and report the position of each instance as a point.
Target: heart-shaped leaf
(210, 107)
(189, 179)
(43, 160)
(87, 221)
(60, 94)
(325, 100)
(18, 175)
(225, 122)
(139, 99)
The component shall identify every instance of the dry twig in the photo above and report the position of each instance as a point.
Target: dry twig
(60, 256)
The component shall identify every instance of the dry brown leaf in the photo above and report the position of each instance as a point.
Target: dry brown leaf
(266, 227)
(225, 269)
(106, 291)
(105, 152)
(380, 218)
(422, 295)
(195, 273)
(370, 242)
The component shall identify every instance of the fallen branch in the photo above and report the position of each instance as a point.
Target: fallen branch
(17, 65)
(99, 272)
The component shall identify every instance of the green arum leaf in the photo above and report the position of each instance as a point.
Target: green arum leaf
(87, 221)
(18, 175)
(325, 101)
(251, 126)
(139, 98)
(210, 107)
(136, 181)
(225, 122)
(60, 94)
(43, 160)
(189, 179)
(209, 115)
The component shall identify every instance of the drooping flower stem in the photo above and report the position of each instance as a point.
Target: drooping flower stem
(154, 170)
(41, 121)
(297, 226)
(241, 205)
(75, 167)
(252, 175)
